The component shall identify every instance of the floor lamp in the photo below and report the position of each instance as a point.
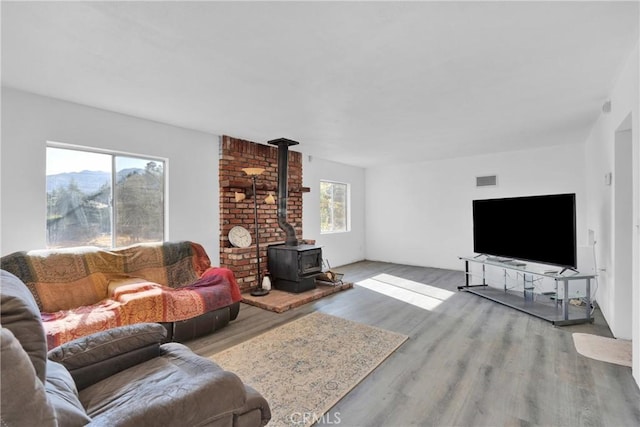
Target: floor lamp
(253, 173)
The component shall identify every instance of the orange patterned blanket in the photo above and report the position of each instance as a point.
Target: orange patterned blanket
(84, 290)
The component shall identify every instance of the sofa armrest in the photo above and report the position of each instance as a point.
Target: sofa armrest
(95, 357)
(23, 398)
(255, 412)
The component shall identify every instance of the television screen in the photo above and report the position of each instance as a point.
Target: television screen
(536, 228)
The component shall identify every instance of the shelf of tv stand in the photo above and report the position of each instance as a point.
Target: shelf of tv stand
(544, 306)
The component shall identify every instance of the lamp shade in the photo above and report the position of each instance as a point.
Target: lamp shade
(270, 200)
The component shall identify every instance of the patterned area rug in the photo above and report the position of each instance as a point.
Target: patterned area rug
(305, 367)
(605, 349)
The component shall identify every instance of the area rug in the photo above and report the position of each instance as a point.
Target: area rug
(604, 349)
(280, 301)
(306, 366)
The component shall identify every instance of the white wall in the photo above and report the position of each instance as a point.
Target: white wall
(338, 248)
(420, 214)
(29, 121)
(600, 159)
(622, 230)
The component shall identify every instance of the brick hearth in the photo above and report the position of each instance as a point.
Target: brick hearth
(279, 301)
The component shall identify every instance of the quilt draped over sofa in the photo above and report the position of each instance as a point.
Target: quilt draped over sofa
(83, 290)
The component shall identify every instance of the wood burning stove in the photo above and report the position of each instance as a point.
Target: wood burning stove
(293, 267)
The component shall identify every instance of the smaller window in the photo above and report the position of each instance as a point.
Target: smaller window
(334, 207)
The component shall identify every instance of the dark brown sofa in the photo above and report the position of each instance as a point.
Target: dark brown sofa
(119, 377)
(83, 290)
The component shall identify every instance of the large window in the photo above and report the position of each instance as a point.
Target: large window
(334, 207)
(103, 199)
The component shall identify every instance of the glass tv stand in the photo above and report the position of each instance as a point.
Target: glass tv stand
(554, 307)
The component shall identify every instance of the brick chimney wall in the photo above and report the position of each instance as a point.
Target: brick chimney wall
(236, 154)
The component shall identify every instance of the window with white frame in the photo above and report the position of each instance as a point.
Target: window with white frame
(334, 207)
(103, 199)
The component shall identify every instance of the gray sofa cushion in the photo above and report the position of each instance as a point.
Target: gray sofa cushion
(177, 388)
(23, 398)
(63, 395)
(19, 313)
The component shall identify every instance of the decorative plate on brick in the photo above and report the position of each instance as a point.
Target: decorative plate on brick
(240, 237)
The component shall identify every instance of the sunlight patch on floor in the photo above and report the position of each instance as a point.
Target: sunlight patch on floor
(424, 296)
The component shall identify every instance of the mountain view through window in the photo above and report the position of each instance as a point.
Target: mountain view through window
(104, 200)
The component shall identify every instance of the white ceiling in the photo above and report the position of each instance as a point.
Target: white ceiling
(361, 83)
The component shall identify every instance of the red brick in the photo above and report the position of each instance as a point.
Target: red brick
(235, 154)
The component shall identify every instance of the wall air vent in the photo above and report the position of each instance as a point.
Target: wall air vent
(487, 181)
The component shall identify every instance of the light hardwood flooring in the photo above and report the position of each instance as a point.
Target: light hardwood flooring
(468, 361)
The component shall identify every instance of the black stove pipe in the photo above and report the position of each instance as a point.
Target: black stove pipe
(283, 169)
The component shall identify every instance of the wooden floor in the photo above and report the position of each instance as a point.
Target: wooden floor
(468, 361)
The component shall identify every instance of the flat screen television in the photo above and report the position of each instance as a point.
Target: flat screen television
(539, 229)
